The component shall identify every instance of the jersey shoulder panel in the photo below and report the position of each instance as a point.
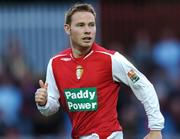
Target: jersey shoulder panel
(100, 49)
(64, 53)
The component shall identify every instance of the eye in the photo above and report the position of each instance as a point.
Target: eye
(92, 24)
(80, 25)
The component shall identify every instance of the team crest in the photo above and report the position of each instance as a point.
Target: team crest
(79, 71)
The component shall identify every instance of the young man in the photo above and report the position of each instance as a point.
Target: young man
(86, 79)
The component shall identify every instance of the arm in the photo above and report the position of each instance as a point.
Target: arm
(124, 71)
(52, 103)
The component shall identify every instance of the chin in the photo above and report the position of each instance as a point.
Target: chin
(85, 45)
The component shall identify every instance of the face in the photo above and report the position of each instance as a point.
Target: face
(82, 29)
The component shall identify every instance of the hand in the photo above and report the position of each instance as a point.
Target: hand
(41, 94)
(155, 134)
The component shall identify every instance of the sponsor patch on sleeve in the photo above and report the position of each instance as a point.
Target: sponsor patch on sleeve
(133, 76)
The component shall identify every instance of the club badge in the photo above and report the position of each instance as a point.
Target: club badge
(79, 71)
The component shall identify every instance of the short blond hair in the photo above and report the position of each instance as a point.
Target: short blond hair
(78, 7)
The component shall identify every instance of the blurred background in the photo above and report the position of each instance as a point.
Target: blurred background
(147, 32)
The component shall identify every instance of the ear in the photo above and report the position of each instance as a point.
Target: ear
(67, 28)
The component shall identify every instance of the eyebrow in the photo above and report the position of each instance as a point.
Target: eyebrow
(85, 23)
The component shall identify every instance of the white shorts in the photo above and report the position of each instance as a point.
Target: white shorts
(114, 135)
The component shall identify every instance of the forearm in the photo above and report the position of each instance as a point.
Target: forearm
(51, 107)
(148, 97)
(152, 108)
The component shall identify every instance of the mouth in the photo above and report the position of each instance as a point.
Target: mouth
(86, 38)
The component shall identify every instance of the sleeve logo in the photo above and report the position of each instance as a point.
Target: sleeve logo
(133, 76)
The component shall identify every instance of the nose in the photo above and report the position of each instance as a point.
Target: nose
(87, 30)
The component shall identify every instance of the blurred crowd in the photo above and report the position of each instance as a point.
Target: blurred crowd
(18, 114)
(159, 61)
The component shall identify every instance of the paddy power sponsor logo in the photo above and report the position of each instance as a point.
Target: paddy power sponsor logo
(81, 99)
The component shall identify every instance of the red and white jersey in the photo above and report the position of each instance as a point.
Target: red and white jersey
(87, 89)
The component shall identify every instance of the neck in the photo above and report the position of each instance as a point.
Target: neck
(78, 51)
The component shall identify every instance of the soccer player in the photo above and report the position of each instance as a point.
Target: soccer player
(85, 79)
